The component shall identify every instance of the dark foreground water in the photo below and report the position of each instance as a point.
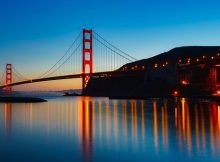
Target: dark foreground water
(98, 129)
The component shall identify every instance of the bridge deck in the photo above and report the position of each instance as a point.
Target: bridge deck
(98, 74)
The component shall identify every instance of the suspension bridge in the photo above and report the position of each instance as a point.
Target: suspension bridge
(90, 55)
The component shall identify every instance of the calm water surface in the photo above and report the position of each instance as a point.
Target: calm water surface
(98, 129)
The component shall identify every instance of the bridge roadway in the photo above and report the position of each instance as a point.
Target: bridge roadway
(97, 74)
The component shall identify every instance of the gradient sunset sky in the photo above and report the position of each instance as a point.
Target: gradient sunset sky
(34, 34)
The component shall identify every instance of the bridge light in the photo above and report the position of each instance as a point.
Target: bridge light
(212, 57)
(143, 67)
(166, 63)
(155, 65)
(175, 93)
(163, 65)
(180, 60)
(197, 60)
(136, 66)
(203, 57)
(218, 92)
(184, 82)
(218, 54)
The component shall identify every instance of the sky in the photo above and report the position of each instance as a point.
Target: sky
(34, 34)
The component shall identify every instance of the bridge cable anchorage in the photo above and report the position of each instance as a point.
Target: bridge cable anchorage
(131, 57)
(65, 60)
(128, 59)
(67, 51)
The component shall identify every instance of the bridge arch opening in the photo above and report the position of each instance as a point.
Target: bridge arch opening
(87, 69)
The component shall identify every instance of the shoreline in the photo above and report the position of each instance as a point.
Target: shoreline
(208, 97)
(21, 99)
(212, 98)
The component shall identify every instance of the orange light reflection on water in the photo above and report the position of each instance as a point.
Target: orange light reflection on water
(123, 121)
(155, 125)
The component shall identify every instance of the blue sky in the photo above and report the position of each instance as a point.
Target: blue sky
(34, 29)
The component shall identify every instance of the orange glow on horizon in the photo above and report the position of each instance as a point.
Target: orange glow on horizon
(57, 85)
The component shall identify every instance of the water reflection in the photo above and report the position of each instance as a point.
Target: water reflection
(155, 125)
(8, 118)
(87, 129)
(97, 126)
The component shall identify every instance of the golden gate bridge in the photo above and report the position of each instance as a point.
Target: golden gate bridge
(90, 55)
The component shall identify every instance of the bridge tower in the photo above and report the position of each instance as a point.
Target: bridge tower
(87, 57)
(8, 80)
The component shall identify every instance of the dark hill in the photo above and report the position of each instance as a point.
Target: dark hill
(159, 81)
(179, 53)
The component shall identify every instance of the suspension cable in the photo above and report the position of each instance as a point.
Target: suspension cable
(19, 74)
(65, 60)
(61, 57)
(1, 81)
(115, 47)
(113, 50)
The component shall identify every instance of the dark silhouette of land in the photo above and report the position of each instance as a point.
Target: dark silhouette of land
(187, 70)
(21, 99)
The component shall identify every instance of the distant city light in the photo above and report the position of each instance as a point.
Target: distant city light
(184, 82)
(175, 93)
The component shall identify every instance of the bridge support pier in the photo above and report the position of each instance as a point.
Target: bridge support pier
(87, 58)
(8, 80)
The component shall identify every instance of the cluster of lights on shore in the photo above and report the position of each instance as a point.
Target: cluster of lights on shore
(180, 62)
(134, 68)
(165, 64)
(199, 59)
(189, 61)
